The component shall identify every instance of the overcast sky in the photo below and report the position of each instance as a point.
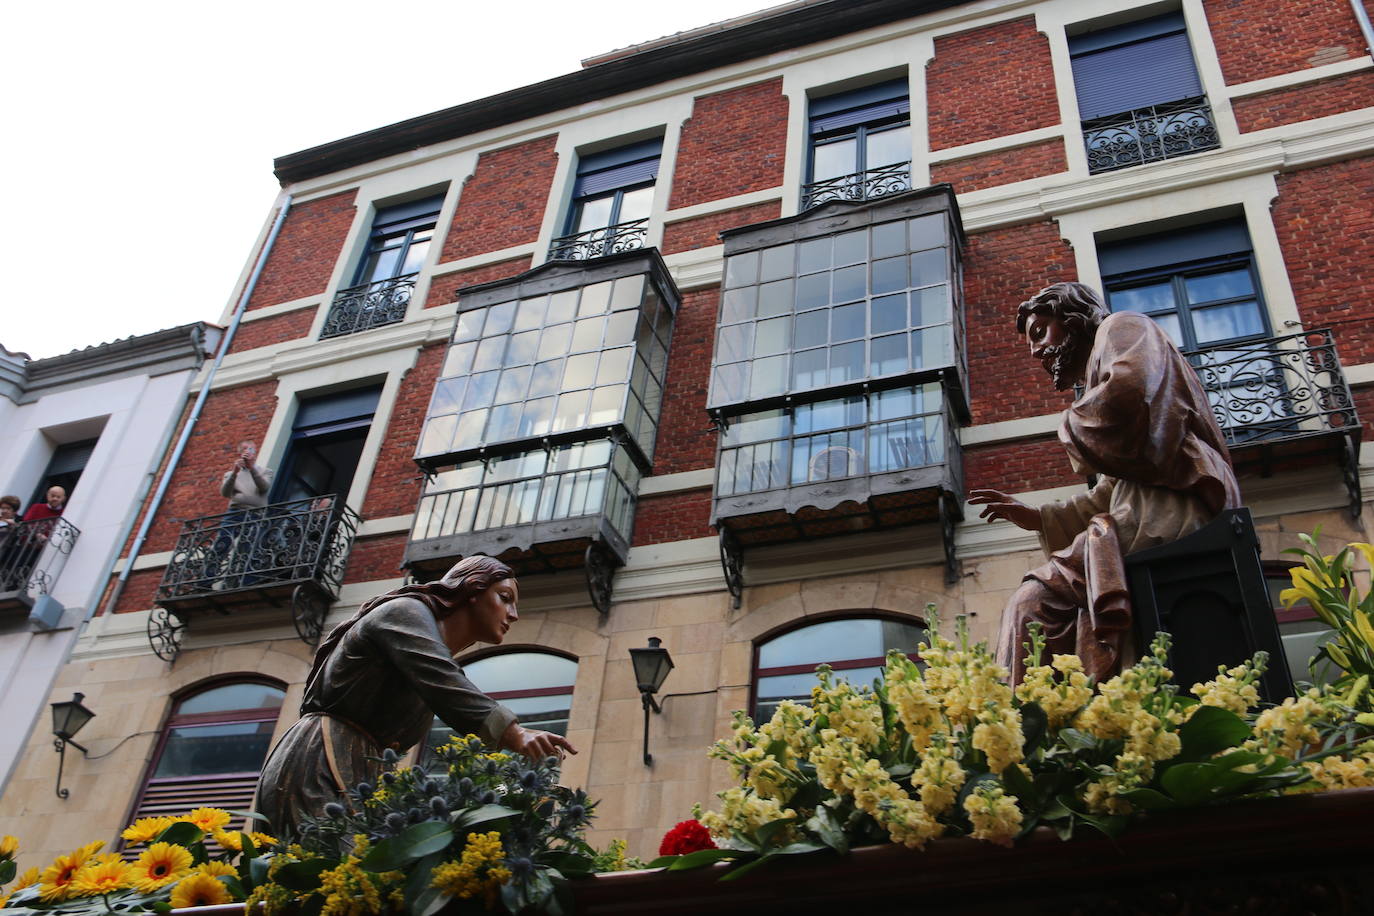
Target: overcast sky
(142, 134)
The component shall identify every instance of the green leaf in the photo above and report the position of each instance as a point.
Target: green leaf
(302, 876)
(1149, 800)
(415, 842)
(1190, 783)
(698, 859)
(1210, 730)
(1017, 784)
(740, 871)
(569, 863)
(808, 795)
(251, 815)
(797, 849)
(257, 871)
(1034, 725)
(1111, 824)
(234, 885)
(161, 906)
(429, 901)
(7, 870)
(1076, 740)
(483, 814)
(824, 825)
(182, 833)
(770, 831)
(418, 883)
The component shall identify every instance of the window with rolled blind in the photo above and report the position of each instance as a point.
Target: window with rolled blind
(612, 198)
(860, 144)
(211, 749)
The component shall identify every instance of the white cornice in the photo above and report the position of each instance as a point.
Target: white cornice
(767, 195)
(996, 144)
(1300, 77)
(281, 308)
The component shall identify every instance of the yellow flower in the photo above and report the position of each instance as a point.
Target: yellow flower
(28, 879)
(479, 871)
(145, 829)
(8, 846)
(232, 840)
(208, 819)
(101, 875)
(200, 890)
(160, 865)
(55, 880)
(994, 815)
(1367, 550)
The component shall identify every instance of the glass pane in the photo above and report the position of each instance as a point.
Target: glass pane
(594, 213)
(771, 336)
(742, 269)
(775, 263)
(232, 696)
(809, 368)
(888, 355)
(203, 750)
(522, 348)
(889, 275)
(810, 329)
(513, 385)
(888, 313)
(606, 404)
(732, 343)
(615, 366)
(848, 283)
(554, 341)
(481, 389)
(851, 247)
(755, 427)
(537, 416)
(926, 231)
(813, 255)
(827, 456)
(832, 641)
(1223, 322)
(636, 204)
(1230, 284)
(889, 240)
(438, 435)
(813, 290)
(503, 423)
(581, 455)
(529, 313)
(467, 474)
(847, 321)
(571, 412)
(738, 304)
(832, 414)
(381, 265)
(545, 378)
(514, 467)
(596, 299)
(769, 376)
(897, 402)
(562, 307)
(775, 298)
(730, 383)
(448, 395)
(833, 159)
(587, 335)
(520, 671)
(897, 445)
(888, 147)
(846, 362)
(620, 328)
(489, 353)
(929, 306)
(929, 267)
(930, 348)
(1149, 298)
(469, 324)
(499, 319)
(627, 293)
(469, 431)
(1169, 322)
(579, 371)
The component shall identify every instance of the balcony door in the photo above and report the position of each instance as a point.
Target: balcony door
(326, 444)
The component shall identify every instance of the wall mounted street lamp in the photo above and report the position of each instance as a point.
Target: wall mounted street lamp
(651, 668)
(67, 719)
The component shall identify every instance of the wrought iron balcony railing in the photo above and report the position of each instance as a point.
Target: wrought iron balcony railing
(866, 185)
(597, 243)
(371, 305)
(32, 555)
(1276, 389)
(1150, 134)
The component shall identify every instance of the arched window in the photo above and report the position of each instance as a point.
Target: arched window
(536, 686)
(855, 647)
(211, 749)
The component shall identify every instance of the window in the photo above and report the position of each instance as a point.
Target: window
(860, 144)
(211, 749)
(326, 441)
(63, 470)
(855, 648)
(536, 686)
(1199, 284)
(385, 278)
(1139, 95)
(612, 199)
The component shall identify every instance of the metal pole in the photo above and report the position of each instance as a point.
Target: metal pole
(1362, 17)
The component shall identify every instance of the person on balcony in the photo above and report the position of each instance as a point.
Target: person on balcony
(1144, 428)
(56, 501)
(245, 485)
(9, 510)
(379, 679)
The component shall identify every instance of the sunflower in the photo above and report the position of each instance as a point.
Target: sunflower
(215, 869)
(8, 847)
(232, 840)
(145, 829)
(101, 875)
(160, 865)
(27, 879)
(208, 819)
(55, 880)
(199, 890)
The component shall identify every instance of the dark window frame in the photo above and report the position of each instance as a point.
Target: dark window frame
(878, 97)
(1177, 274)
(398, 231)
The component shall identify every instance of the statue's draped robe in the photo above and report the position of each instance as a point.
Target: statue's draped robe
(381, 686)
(1144, 426)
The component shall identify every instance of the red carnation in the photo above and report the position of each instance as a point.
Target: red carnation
(687, 836)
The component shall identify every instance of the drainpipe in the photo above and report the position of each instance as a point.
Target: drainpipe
(186, 430)
(1362, 16)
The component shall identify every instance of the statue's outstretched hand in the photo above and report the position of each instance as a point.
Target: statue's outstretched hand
(997, 504)
(535, 744)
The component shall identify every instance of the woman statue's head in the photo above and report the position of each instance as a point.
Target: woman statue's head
(477, 602)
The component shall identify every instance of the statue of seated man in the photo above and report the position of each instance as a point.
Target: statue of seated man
(1144, 427)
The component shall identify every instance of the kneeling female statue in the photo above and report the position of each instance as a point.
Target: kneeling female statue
(379, 679)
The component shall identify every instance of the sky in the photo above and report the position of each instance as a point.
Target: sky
(142, 134)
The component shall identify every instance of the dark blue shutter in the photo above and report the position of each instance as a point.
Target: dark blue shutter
(406, 216)
(1133, 66)
(618, 168)
(331, 412)
(862, 106)
(1179, 246)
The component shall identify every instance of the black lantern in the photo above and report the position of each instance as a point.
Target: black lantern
(67, 719)
(652, 665)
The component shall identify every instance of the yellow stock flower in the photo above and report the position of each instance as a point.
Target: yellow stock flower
(993, 814)
(200, 890)
(159, 865)
(145, 829)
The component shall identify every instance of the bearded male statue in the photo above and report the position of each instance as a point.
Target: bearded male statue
(1144, 427)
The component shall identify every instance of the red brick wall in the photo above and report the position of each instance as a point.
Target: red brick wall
(1303, 103)
(1003, 268)
(139, 590)
(673, 517)
(1325, 226)
(990, 82)
(444, 289)
(734, 142)
(1364, 408)
(1026, 464)
(502, 204)
(1256, 40)
(375, 558)
(1003, 167)
(395, 488)
(306, 250)
(290, 326)
(704, 231)
(684, 442)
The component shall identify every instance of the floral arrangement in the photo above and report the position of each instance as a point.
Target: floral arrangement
(943, 746)
(1328, 584)
(174, 869)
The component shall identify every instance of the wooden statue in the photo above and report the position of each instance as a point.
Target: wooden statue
(1143, 426)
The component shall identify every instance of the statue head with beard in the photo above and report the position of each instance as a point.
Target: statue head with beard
(1059, 323)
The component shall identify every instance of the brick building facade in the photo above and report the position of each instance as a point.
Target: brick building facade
(1043, 141)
